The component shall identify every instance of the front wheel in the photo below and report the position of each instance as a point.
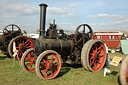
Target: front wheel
(28, 60)
(93, 55)
(48, 64)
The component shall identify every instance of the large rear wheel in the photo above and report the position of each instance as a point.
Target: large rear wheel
(93, 55)
(22, 43)
(48, 64)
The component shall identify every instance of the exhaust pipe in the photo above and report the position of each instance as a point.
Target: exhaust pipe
(42, 19)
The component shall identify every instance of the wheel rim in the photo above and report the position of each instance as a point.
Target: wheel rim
(29, 61)
(11, 33)
(50, 65)
(97, 56)
(22, 44)
(80, 41)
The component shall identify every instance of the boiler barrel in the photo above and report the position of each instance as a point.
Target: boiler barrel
(60, 46)
(2, 40)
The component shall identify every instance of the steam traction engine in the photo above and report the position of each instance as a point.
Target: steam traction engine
(77, 48)
(12, 34)
(9, 32)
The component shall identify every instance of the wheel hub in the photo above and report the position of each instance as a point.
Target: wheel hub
(32, 60)
(97, 55)
(51, 66)
(21, 46)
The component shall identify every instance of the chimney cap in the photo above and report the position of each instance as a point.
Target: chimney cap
(42, 4)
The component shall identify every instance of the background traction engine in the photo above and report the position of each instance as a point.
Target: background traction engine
(12, 34)
(9, 32)
(77, 48)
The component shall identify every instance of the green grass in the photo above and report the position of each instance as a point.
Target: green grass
(11, 74)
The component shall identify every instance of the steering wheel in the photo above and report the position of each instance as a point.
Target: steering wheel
(11, 31)
(80, 37)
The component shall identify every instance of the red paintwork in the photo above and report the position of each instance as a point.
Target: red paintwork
(29, 61)
(97, 56)
(105, 36)
(50, 65)
(24, 42)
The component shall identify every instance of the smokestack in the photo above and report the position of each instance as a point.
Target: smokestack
(42, 19)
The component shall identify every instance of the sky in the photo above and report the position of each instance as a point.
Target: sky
(68, 14)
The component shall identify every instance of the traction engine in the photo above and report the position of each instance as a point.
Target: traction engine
(9, 32)
(12, 34)
(54, 47)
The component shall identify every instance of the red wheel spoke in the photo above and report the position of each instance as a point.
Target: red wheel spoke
(44, 71)
(46, 58)
(96, 49)
(99, 48)
(98, 62)
(91, 63)
(29, 64)
(26, 41)
(19, 54)
(31, 53)
(56, 64)
(93, 50)
(51, 72)
(52, 58)
(28, 56)
(95, 65)
(28, 47)
(94, 45)
(101, 55)
(45, 61)
(54, 69)
(17, 47)
(91, 57)
(41, 66)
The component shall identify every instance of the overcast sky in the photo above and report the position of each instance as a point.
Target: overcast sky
(99, 14)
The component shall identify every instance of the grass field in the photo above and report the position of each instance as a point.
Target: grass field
(11, 74)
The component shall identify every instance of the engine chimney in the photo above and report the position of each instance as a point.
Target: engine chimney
(42, 19)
